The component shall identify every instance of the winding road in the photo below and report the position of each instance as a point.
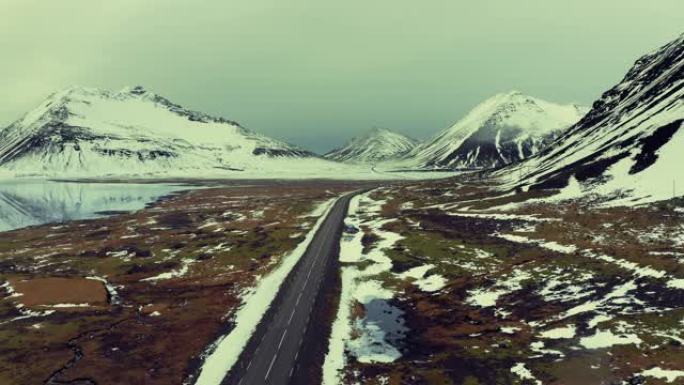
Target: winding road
(272, 355)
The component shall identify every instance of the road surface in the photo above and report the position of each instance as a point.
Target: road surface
(271, 357)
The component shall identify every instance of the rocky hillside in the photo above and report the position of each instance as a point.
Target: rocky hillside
(630, 144)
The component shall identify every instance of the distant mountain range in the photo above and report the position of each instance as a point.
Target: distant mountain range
(87, 132)
(630, 139)
(503, 129)
(379, 144)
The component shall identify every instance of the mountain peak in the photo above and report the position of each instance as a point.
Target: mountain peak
(377, 144)
(82, 93)
(134, 90)
(508, 97)
(77, 91)
(504, 128)
(91, 131)
(72, 91)
(503, 101)
(512, 94)
(379, 130)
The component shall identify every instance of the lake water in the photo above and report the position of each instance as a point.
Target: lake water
(29, 203)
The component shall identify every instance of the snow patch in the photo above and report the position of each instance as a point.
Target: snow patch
(559, 333)
(489, 296)
(524, 374)
(664, 374)
(184, 268)
(430, 283)
(605, 339)
(382, 322)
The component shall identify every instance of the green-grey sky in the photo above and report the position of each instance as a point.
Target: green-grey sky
(315, 72)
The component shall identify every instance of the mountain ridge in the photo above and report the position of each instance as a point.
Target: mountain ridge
(83, 131)
(627, 143)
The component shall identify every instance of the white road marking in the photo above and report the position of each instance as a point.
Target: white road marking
(310, 300)
(282, 339)
(270, 366)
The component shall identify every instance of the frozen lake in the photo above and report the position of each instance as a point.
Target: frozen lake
(28, 203)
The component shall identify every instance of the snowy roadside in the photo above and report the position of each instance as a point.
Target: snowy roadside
(224, 352)
(359, 285)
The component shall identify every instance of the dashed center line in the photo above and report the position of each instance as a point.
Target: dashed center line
(327, 235)
(281, 340)
(270, 367)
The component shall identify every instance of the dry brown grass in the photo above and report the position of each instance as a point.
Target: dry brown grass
(51, 291)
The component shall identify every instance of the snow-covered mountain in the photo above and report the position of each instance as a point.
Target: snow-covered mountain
(92, 132)
(503, 129)
(630, 143)
(379, 144)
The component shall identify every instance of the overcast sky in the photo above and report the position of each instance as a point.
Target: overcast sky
(316, 72)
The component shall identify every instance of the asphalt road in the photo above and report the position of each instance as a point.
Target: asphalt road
(273, 354)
